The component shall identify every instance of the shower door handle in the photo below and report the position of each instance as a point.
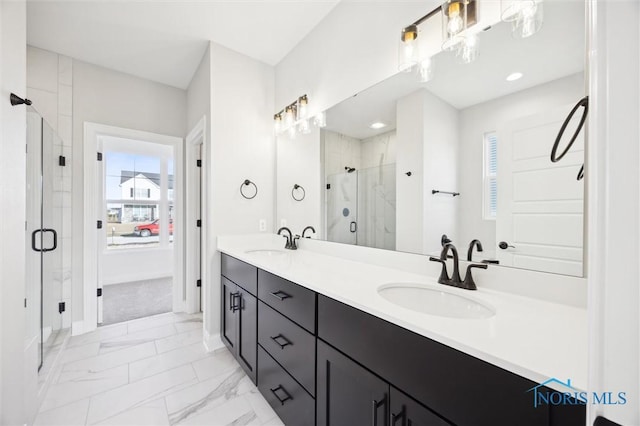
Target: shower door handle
(55, 240)
(44, 250)
(353, 227)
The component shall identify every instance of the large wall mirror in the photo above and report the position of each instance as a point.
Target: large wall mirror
(466, 155)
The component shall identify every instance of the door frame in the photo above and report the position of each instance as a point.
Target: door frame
(194, 203)
(93, 204)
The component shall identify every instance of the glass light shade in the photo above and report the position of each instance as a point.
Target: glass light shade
(468, 49)
(303, 107)
(289, 117)
(408, 48)
(529, 21)
(277, 123)
(455, 23)
(303, 127)
(320, 120)
(425, 70)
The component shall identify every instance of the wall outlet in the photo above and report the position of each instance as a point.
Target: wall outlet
(263, 225)
(283, 223)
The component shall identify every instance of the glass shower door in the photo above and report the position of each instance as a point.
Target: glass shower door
(342, 207)
(44, 220)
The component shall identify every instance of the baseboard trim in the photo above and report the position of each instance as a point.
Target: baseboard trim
(77, 328)
(212, 342)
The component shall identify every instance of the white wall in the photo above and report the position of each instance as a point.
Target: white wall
(354, 47)
(241, 147)
(613, 182)
(198, 92)
(113, 98)
(298, 162)
(489, 116)
(14, 368)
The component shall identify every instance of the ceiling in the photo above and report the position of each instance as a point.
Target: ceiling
(164, 41)
(556, 51)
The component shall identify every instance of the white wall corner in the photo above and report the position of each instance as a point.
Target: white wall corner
(212, 342)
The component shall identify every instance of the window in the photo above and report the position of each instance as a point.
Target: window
(490, 176)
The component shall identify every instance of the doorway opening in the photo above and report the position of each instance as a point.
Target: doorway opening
(134, 259)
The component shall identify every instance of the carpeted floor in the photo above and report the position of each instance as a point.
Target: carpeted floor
(127, 301)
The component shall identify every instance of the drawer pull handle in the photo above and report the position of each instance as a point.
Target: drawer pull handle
(287, 397)
(280, 295)
(377, 404)
(401, 415)
(232, 301)
(284, 339)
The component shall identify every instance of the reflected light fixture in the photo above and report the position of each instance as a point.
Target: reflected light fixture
(320, 120)
(303, 126)
(468, 48)
(526, 16)
(289, 116)
(458, 16)
(425, 70)
(514, 76)
(377, 125)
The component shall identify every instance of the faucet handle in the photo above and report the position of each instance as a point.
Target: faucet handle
(294, 246)
(468, 282)
(288, 244)
(444, 275)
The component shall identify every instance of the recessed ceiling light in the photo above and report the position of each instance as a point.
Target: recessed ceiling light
(378, 125)
(514, 76)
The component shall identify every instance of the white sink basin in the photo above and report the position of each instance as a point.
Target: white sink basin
(432, 301)
(268, 252)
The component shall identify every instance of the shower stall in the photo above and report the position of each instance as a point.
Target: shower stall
(361, 207)
(46, 210)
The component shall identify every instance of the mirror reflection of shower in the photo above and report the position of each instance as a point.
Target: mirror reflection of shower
(361, 206)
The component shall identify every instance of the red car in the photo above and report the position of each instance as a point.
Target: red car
(152, 228)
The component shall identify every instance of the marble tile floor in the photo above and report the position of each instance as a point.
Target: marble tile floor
(151, 371)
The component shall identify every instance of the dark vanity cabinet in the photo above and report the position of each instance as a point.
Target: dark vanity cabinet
(322, 362)
(287, 348)
(239, 315)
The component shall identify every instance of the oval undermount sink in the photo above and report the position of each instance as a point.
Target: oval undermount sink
(433, 301)
(267, 252)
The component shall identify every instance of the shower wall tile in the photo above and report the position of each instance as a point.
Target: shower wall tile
(42, 70)
(65, 100)
(65, 70)
(65, 129)
(46, 103)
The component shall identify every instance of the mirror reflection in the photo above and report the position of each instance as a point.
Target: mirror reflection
(465, 156)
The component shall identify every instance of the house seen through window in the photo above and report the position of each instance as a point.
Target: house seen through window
(137, 197)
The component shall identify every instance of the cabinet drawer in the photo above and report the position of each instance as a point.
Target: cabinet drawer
(289, 344)
(291, 300)
(290, 401)
(243, 274)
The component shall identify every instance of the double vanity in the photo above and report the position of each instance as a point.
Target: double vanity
(331, 341)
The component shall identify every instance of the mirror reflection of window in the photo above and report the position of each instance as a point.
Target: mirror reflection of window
(490, 180)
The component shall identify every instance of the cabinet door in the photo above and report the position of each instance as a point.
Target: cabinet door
(407, 412)
(247, 332)
(228, 322)
(347, 393)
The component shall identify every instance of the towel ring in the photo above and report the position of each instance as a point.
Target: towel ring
(247, 182)
(293, 195)
(584, 102)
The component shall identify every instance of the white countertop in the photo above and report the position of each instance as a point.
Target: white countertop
(529, 337)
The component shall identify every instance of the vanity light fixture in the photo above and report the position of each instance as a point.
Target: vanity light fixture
(514, 76)
(408, 50)
(277, 122)
(294, 118)
(457, 17)
(303, 102)
(526, 16)
(468, 48)
(377, 125)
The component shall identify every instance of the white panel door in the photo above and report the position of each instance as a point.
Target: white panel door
(540, 203)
